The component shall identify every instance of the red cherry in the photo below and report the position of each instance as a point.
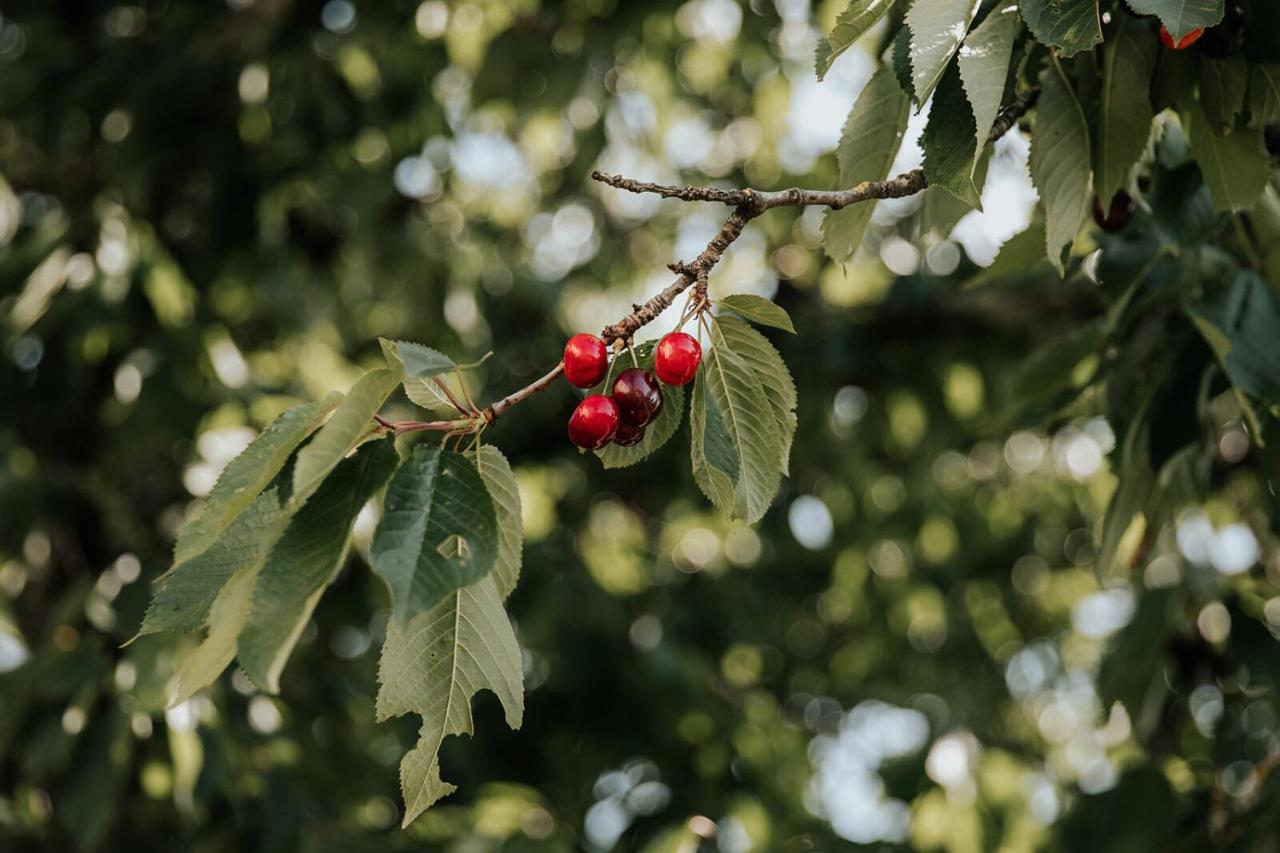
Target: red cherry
(1182, 44)
(594, 422)
(1117, 215)
(628, 435)
(638, 396)
(677, 358)
(586, 360)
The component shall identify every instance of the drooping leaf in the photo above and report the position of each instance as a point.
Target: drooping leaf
(1264, 94)
(423, 388)
(1133, 470)
(937, 28)
(434, 666)
(184, 595)
(1235, 167)
(1242, 326)
(199, 666)
(775, 380)
(1060, 162)
(868, 144)
(1125, 111)
(305, 560)
(950, 152)
(1181, 16)
(858, 17)
(351, 423)
(900, 60)
(1223, 83)
(501, 483)
(1131, 666)
(940, 210)
(757, 309)
(1021, 255)
(249, 473)
(984, 66)
(657, 433)
(736, 453)
(438, 531)
(1069, 25)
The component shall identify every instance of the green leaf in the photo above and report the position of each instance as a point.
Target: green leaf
(418, 361)
(1223, 83)
(1131, 667)
(249, 473)
(1242, 326)
(1235, 167)
(350, 425)
(1021, 255)
(200, 665)
(858, 17)
(657, 433)
(868, 144)
(495, 471)
(1060, 163)
(900, 59)
(1264, 94)
(306, 559)
(736, 453)
(984, 66)
(775, 380)
(184, 595)
(1069, 25)
(937, 28)
(1181, 16)
(1135, 479)
(950, 153)
(940, 210)
(438, 531)
(757, 309)
(433, 667)
(1126, 114)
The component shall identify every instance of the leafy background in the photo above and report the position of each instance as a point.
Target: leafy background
(212, 212)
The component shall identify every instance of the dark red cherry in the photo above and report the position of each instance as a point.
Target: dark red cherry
(628, 435)
(594, 422)
(1117, 216)
(638, 396)
(677, 358)
(586, 360)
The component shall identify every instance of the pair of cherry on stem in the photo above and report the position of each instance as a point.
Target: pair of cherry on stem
(635, 398)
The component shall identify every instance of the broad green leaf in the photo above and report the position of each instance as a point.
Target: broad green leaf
(305, 560)
(501, 483)
(200, 665)
(757, 309)
(1132, 667)
(735, 443)
(418, 361)
(984, 66)
(1021, 255)
(658, 432)
(868, 144)
(1181, 16)
(937, 28)
(184, 595)
(1125, 112)
(434, 666)
(1060, 163)
(900, 60)
(1069, 25)
(940, 210)
(249, 473)
(1135, 479)
(438, 531)
(950, 153)
(350, 425)
(775, 380)
(1235, 167)
(1264, 94)
(858, 17)
(1242, 327)
(1223, 83)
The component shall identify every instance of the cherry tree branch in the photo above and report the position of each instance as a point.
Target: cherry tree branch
(747, 204)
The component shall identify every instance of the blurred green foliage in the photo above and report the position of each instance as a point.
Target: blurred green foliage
(212, 211)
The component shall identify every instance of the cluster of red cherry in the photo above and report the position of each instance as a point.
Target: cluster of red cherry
(635, 398)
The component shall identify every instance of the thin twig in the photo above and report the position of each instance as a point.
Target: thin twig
(747, 204)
